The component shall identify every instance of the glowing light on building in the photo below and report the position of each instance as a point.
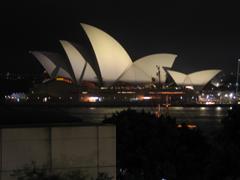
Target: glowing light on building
(69, 81)
(126, 92)
(190, 126)
(219, 108)
(189, 87)
(17, 96)
(147, 97)
(141, 98)
(93, 99)
(210, 102)
(45, 99)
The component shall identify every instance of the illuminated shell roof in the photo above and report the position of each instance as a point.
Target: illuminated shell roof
(112, 58)
(199, 78)
(134, 75)
(148, 64)
(113, 62)
(54, 64)
(144, 69)
(82, 70)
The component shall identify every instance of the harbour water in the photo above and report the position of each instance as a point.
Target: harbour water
(204, 117)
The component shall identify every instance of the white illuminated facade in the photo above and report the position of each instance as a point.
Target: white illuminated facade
(81, 68)
(144, 69)
(113, 64)
(54, 64)
(112, 59)
(199, 78)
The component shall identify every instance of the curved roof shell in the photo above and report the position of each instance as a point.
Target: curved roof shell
(134, 75)
(112, 58)
(82, 70)
(199, 78)
(145, 68)
(54, 64)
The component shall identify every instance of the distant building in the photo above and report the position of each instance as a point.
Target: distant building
(112, 63)
(110, 74)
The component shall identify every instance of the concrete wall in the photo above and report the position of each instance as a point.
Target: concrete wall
(89, 148)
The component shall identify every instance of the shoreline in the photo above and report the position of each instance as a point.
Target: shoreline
(112, 104)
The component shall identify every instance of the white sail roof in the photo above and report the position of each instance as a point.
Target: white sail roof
(77, 62)
(199, 78)
(89, 74)
(112, 58)
(134, 75)
(54, 67)
(148, 64)
(203, 77)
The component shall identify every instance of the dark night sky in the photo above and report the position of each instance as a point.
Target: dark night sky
(203, 35)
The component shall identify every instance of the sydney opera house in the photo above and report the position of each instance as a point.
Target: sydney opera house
(110, 69)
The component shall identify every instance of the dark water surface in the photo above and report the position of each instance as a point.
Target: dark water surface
(204, 117)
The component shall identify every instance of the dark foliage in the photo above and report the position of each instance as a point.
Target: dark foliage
(224, 160)
(153, 148)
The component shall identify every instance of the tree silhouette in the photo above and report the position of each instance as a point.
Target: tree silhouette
(155, 148)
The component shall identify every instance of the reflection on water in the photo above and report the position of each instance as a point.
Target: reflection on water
(202, 116)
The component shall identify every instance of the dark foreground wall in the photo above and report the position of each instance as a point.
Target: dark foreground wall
(89, 148)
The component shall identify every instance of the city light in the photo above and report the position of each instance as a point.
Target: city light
(93, 99)
(190, 126)
(189, 87)
(210, 102)
(69, 81)
(147, 97)
(219, 108)
(45, 99)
